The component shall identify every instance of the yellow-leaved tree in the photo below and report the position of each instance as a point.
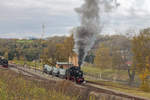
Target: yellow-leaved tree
(69, 45)
(141, 57)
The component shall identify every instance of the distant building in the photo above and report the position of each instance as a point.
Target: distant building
(73, 61)
(63, 65)
(129, 63)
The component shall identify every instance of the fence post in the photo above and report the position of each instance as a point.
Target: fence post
(92, 97)
(35, 66)
(100, 75)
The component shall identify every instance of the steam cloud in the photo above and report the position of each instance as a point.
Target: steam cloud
(85, 35)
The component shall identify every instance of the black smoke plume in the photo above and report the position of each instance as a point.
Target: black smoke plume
(85, 35)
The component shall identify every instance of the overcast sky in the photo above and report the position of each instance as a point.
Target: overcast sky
(24, 18)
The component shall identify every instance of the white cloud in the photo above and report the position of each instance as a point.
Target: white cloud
(27, 16)
(131, 14)
(51, 6)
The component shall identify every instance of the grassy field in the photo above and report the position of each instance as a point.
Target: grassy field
(109, 74)
(38, 65)
(106, 73)
(122, 88)
(15, 86)
(24, 41)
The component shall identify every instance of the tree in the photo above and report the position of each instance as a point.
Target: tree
(131, 73)
(117, 59)
(90, 58)
(6, 55)
(103, 59)
(31, 54)
(69, 45)
(11, 55)
(46, 59)
(60, 53)
(141, 56)
(58, 49)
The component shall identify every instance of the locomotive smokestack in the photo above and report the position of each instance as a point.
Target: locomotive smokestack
(90, 27)
(80, 57)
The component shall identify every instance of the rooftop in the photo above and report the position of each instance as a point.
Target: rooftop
(63, 63)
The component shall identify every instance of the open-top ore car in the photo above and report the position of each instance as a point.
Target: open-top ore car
(48, 69)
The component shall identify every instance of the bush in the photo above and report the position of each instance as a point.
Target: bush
(145, 86)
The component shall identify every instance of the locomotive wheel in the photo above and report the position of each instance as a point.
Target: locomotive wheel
(72, 79)
(68, 78)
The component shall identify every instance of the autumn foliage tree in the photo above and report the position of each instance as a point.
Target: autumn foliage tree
(141, 56)
(69, 45)
(58, 52)
(103, 58)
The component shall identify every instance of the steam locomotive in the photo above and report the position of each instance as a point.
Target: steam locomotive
(3, 62)
(73, 73)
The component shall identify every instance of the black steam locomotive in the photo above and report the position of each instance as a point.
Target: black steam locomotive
(75, 74)
(3, 62)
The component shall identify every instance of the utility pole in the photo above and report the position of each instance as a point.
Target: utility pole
(43, 31)
(42, 37)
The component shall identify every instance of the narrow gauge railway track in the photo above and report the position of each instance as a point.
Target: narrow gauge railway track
(93, 86)
(99, 88)
(27, 72)
(35, 74)
(108, 85)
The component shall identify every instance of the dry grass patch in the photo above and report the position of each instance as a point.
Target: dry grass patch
(15, 86)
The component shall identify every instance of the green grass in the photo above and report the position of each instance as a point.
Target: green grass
(95, 70)
(24, 41)
(28, 63)
(106, 73)
(89, 69)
